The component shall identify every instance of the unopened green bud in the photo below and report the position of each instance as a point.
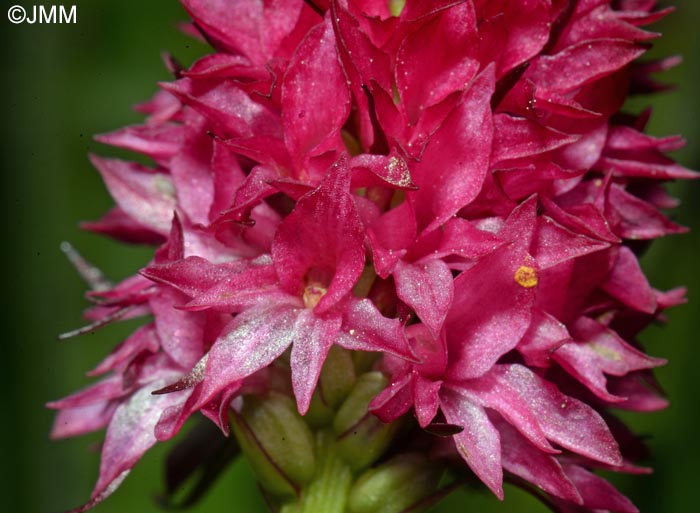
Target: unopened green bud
(336, 381)
(404, 483)
(362, 437)
(337, 377)
(277, 442)
(396, 7)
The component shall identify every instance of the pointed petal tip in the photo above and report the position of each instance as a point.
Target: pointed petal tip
(101, 494)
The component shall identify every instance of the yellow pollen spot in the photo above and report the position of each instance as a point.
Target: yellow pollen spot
(526, 276)
(313, 294)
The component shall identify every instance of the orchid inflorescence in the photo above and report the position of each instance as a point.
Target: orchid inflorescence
(397, 252)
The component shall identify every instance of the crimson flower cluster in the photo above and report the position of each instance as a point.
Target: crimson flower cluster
(448, 186)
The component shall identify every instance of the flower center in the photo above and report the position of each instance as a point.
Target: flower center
(312, 294)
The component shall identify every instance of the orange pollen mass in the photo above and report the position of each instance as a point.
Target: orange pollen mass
(313, 294)
(526, 276)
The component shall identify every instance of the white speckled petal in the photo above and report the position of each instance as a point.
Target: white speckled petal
(479, 444)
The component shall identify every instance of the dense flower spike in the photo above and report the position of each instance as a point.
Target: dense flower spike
(420, 213)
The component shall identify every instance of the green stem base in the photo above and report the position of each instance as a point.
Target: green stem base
(328, 492)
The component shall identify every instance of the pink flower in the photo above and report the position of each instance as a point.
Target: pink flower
(449, 185)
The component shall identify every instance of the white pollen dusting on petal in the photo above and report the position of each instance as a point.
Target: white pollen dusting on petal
(131, 432)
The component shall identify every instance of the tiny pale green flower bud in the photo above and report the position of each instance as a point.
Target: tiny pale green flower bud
(396, 7)
(362, 437)
(404, 483)
(337, 377)
(334, 385)
(277, 442)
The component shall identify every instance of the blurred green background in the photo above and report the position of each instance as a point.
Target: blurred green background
(63, 83)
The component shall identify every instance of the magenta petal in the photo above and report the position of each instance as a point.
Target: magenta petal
(247, 27)
(219, 413)
(479, 443)
(432, 62)
(515, 138)
(181, 333)
(265, 149)
(544, 336)
(395, 400)
(585, 219)
(108, 490)
(133, 290)
(194, 275)
(582, 63)
(159, 142)
(227, 107)
(526, 461)
(363, 62)
(371, 170)
(629, 153)
(491, 391)
(600, 351)
(130, 433)
(635, 219)
(332, 243)
(82, 419)
(143, 339)
(420, 9)
(192, 177)
(162, 107)
(490, 311)
(510, 34)
(627, 283)
(458, 237)
(228, 176)
(564, 420)
(426, 400)
(108, 388)
(390, 235)
(254, 188)
(247, 290)
(313, 337)
(640, 390)
(119, 225)
(366, 329)
(222, 65)
(174, 247)
(427, 288)
(598, 20)
(147, 197)
(655, 167)
(430, 350)
(314, 76)
(455, 162)
(250, 342)
(597, 493)
(625, 138)
(174, 416)
(554, 243)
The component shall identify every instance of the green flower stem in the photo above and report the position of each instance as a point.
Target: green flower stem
(328, 491)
